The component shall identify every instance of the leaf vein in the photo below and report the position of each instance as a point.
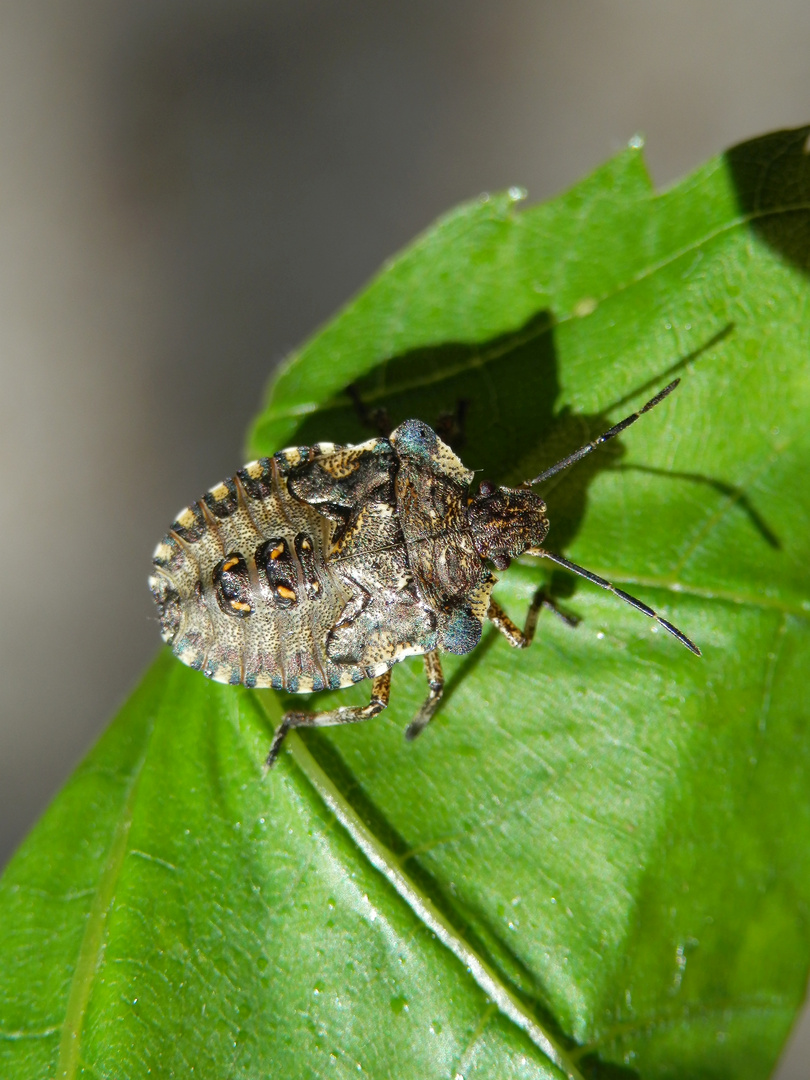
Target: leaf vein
(770, 671)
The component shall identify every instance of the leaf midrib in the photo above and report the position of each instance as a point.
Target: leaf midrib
(386, 862)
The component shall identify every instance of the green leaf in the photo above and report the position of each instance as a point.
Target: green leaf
(596, 861)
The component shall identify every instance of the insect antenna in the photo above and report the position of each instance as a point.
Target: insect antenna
(615, 430)
(633, 601)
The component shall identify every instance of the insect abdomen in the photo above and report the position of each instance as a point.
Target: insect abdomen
(242, 586)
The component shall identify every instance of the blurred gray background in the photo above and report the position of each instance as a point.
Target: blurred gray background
(188, 188)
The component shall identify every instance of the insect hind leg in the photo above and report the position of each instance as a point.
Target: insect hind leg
(435, 679)
(351, 714)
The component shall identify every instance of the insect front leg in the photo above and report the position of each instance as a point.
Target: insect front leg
(376, 419)
(522, 639)
(451, 427)
(347, 714)
(435, 679)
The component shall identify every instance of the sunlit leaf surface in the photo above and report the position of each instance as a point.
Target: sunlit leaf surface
(596, 861)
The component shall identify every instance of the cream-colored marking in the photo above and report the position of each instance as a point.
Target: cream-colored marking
(222, 673)
(480, 597)
(163, 551)
(346, 680)
(219, 492)
(186, 517)
(341, 467)
(254, 470)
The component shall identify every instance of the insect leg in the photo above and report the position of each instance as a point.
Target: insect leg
(435, 679)
(450, 427)
(347, 714)
(522, 639)
(376, 419)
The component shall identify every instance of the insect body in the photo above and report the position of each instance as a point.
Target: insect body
(326, 565)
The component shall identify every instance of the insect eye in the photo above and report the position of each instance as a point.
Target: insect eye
(486, 488)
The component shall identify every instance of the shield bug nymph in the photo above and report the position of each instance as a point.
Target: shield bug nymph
(325, 565)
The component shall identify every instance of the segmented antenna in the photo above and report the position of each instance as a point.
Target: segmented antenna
(615, 430)
(633, 601)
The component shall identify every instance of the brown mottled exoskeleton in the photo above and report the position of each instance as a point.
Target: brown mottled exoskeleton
(325, 565)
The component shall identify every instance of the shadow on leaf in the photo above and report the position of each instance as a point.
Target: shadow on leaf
(501, 397)
(771, 176)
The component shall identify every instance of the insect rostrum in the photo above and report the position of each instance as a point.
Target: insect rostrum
(325, 565)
